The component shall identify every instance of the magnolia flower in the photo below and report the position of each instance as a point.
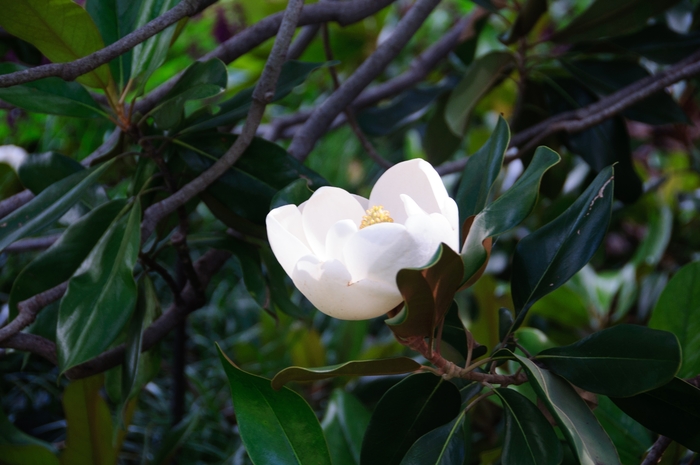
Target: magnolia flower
(12, 155)
(343, 251)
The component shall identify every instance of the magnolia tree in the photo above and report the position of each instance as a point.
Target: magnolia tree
(318, 241)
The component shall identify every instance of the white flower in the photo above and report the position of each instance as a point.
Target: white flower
(12, 155)
(343, 251)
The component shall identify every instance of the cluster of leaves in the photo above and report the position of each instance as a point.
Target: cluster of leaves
(539, 335)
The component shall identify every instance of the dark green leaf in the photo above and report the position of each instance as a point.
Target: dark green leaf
(672, 410)
(11, 435)
(528, 16)
(441, 446)
(102, 289)
(550, 256)
(488, 4)
(631, 439)
(415, 406)
(174, 439)
(530, 439)
(25, 454)
(296, 192)
(385, 366)
(200, 80)
(678, 311)
(277, 427)
(344, 425)
(481, 172)
(39, 171)
(505, 322)
(50, 95)
(149, 55)
(620, 361)
(482, 74)
(609, 18)
(59, 262)
(505, 213)
(582, 431)
(660, 44)
(47, 207)
(438, 142)
(60, 29)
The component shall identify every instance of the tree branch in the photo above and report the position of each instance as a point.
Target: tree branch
(323, 116)
(301, 43)
(32, 243)
(262, 95)
(12, 203)
(71, 70)
(657, 451)
(29, 308)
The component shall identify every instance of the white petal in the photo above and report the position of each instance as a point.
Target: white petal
(337, 237)
(286, 236)
(327, 285)
(12, 155)
(415, 178)
(428, 231)
(327, 206)
(451, 212)
(379, 251)
(362, 201)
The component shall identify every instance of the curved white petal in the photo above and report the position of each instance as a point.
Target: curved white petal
(327, 285)
(451, 212)
(428, 231)
(327, 206)
(364, 203)
(286, 236)
(13, 156)
(336, 238)
(379, 251)
(415, 178)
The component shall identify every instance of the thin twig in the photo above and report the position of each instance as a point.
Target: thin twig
(657, 451)
(12, 203)
(167, 277)
(301, 43)
(262, 95)
(28, 309)
(31, 244)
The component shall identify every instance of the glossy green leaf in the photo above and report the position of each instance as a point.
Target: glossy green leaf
(385, 366)
(631, 439)
(295, 193)
(678, 311)
(89, 424)
(605, 77)
(505, 213)
(413, 407)
(115, 19)
(441, 446)
(609, 18)
(58, 263)
(439, 142)
(200, 80)
(530, 439)
(174, 439)
(277, 427)
(428, 293)
(47, 207)
(236, 108)
(344, 424)
(61, 29)
(659, 43)
(657, 238)
(530, 12)
(481, 172)
(620, 361)
(50, 95)
(150, 54)
(673, 410)
(39, 171)
(533, 340)
(10, 435)
(587, 438)
(11, 454)
(102, 289)
(481, 76)
(550, 256)
(505, 322)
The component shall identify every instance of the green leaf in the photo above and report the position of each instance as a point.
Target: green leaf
(58, 263)
(673, 410)
(89, 424)
(678, 311)
(102, 289)
(588, 440)
(505, 213)
(295, 193)
(608, 18)
(115, 19)
(481, 76)
(548, 257)
(413, 407)
(279, 293)
(60, 29)
(385, 366)
(481, 172)
(236, 108)
(47, 207)
(659, 43)
(441, 446)
(200, 80)
(50, 95)
(344, 424)
(25, 454)
(150, 54)
(438, 141)
(530, 439)
(620, 361)
(428, 293)
(658, 235)
(528, 15)
(277, 427)
(10, 435)
(174, 439)
(631, 439)
(39, 171)
(533, 340)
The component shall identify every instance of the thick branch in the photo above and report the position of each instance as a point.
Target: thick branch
(32, 243)
(11, 204)
(71, 70)
(657, 451)
(323, 116)
(262, 95)
(29, 308)
(301, 43)
(33, 344)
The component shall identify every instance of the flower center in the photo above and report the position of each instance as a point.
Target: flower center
(376, 215)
